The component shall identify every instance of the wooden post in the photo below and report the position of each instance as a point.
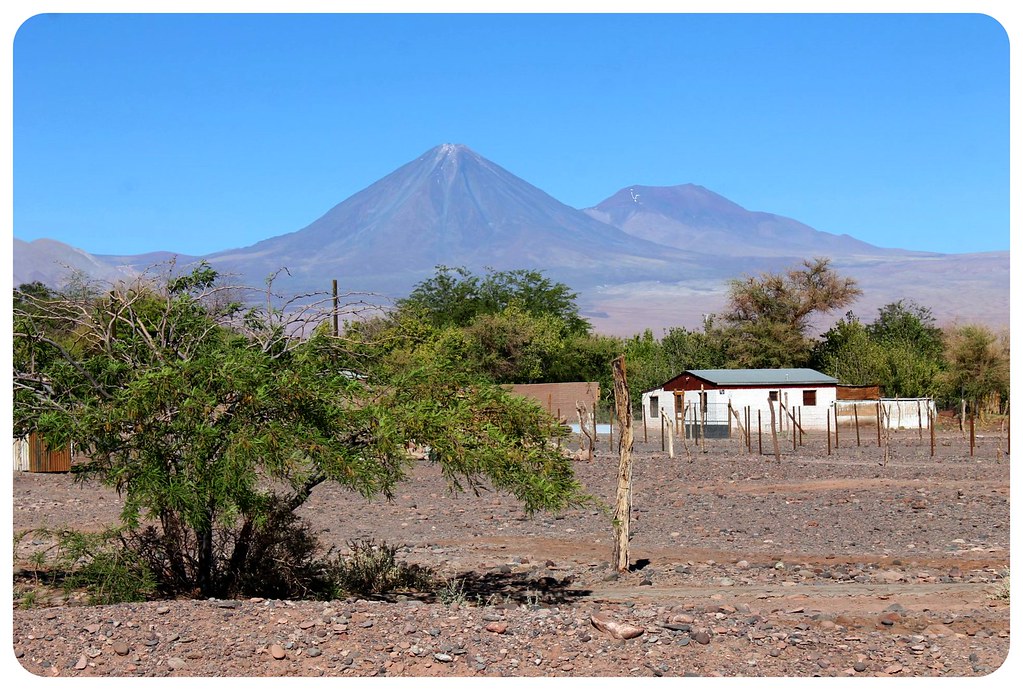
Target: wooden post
(760, 435)
(623, 502)
(593, 421)
(878, 423)
(549, 402)
(856, 421)
(611, 433)
(919, 421)
(662, 429)
(973, 414)
(334, 292)
(793, 438)
(774, 430)
(644, 427)
(836, 427)
(749, 436)
(559, 422)
(930, 420)
(799, 413)
(729, 419)
(703, 419)
(671, 439)
(828, 417)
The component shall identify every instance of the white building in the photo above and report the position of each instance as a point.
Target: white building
(712, 400)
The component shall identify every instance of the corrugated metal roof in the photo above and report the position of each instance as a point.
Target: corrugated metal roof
(763, 377)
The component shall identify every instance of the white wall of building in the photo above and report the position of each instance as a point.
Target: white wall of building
(809, 416)
(898, 413)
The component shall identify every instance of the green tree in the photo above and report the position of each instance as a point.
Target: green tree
(684, 349)
(767, 320)
(909, 323)
(977, 366)
(456, 296)
(216, 423)
(849, 353)
(513, 346)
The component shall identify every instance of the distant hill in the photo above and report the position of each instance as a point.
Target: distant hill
(647, 257)
(692, 217)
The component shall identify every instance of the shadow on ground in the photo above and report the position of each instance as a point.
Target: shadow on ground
(496, 588)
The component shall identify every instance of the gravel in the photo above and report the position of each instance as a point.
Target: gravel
(818, 566)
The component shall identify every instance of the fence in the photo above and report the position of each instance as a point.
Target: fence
(31, 454)
(844, 423)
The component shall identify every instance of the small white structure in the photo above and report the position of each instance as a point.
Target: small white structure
(710, 401)
(895, 413)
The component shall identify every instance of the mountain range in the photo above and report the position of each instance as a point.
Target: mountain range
(647, 257)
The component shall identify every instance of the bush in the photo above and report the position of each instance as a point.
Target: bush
(103, 566)
(371, 569)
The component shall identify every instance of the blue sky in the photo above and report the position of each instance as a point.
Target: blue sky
(195, 133)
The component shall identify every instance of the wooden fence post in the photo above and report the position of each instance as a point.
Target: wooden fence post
(878, 423)
(973, 414)
(828, 418)
(749, 436)
(760, 435)
(662, 429)
(856, 421)
(931, 417)
(774, 430)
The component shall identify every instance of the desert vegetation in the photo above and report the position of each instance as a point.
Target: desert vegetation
(216, 419)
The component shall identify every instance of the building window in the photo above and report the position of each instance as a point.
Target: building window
(809, 398)
(654, 410)
(773, 395)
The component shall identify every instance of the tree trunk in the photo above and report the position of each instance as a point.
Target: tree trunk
(204, 542)
(623, 502)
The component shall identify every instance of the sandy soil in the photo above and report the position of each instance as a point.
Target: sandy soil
(821, 565)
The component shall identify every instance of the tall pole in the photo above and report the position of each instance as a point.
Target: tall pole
(334, 293)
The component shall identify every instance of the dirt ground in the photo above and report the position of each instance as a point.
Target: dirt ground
(821, 565)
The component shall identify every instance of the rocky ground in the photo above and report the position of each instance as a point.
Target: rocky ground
(820, 565)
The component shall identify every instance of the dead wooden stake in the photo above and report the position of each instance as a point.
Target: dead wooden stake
(671, 438)
(828, 418)
(749, 437)
(856, 421)
(919, 421)
(930, 421)
(774, 430)
(973, 438)
(878, 423)
(760, 435)
(623, 502)
(662, 429)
